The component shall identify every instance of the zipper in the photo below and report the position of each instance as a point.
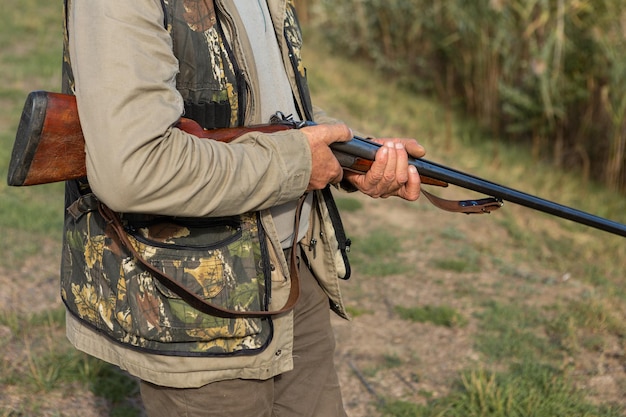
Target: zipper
(265, 263)
(277, 249)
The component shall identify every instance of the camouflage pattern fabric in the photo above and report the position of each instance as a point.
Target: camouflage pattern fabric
(223, 260)
(208, 78)
(294, 37)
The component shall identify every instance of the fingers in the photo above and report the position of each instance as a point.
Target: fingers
(325, 168)
(411, 189)
(412, 147)
(328, 133)
(401, 174)
(390, 173)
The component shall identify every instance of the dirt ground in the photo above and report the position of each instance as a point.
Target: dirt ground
(378, 354)
(432, 357)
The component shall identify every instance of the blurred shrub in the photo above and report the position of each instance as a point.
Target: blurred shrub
(549, 73)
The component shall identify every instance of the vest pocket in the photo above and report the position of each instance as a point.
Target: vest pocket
(223, 261)
(209, 115)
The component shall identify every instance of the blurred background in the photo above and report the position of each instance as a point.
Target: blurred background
(511, 314)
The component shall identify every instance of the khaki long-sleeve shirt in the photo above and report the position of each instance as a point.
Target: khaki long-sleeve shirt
(125, 72)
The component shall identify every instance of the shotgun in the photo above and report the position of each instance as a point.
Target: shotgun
(49, 147)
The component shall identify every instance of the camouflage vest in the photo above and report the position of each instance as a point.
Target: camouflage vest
(226, 259)
(209, 79)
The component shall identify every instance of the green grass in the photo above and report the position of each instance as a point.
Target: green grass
(585, 325)
(466, 260)
(357, 311)
(528, 389)
(438, 315)
(345, 204)
(376, 254)
(512, 332)
(31, 43)
(47, 362)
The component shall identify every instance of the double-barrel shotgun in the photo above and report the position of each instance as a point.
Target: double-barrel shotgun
(49, 147)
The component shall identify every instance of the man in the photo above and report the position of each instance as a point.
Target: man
(136, 67)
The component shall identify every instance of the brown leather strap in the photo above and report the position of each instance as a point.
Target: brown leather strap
(483, 205)
(192, 299)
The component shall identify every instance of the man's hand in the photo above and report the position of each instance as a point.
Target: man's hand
(326, 169)
(390, 173)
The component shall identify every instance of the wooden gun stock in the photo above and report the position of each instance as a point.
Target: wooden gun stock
(49, 144)
(49, 147)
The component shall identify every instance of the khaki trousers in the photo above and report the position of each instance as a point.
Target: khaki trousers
(311, 389)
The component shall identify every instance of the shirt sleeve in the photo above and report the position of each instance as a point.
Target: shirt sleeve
(127, 100)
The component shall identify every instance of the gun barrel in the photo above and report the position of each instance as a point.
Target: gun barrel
(366, 149)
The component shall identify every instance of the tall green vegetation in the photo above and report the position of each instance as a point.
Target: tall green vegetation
(550, 74)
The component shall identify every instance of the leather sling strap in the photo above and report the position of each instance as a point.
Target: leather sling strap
(194, 300)
(483, 205)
